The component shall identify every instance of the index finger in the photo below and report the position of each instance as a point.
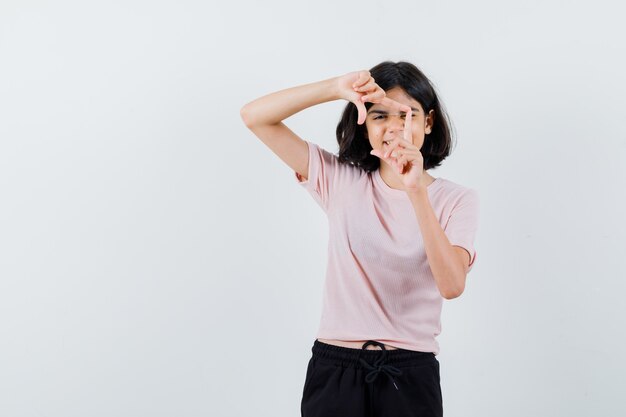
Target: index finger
(386, 101)
(408, 134)
(361, 77)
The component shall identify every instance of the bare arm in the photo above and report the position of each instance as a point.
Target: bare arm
(273, 108)
(264, 117)
(449, 263)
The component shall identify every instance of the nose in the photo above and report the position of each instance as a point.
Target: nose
(395, 123)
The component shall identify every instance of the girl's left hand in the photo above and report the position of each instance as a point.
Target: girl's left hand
(405, 158)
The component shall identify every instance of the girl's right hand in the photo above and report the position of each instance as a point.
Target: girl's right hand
(359, 87)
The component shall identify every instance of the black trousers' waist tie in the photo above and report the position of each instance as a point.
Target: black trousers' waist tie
(379, 365)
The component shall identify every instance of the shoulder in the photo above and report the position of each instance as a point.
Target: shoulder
(456, 193)
(323, 149)
(323, 154)
(331, 159)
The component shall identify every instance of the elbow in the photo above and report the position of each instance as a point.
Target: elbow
(248, 115)
(245, 115)
(452, 293)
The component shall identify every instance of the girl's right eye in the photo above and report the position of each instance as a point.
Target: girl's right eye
(402, 115)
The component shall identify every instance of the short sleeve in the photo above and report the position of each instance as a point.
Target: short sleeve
(320, 182)
(462, 224)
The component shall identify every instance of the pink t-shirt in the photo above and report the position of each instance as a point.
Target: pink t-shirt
(378, 284)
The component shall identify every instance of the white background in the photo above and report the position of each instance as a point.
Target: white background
(156, 259)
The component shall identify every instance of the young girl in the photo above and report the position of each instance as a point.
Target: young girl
(400, 240)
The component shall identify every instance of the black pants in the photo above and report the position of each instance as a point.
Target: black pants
(348, 382)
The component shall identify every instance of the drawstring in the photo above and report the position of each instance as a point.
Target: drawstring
(378, 366)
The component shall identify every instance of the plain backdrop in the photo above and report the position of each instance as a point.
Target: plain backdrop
(156, 259)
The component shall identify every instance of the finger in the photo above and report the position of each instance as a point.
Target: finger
(407, 144)
(408, 131)
(400, 143)
(391, 160)
(362, 111)
(393, 145)
(398, 167)
(370, 85)
(374, 97)
(378, 153)
(390, 149)
(397, 151)
(361, 78)
(410, 155)
(395, 105)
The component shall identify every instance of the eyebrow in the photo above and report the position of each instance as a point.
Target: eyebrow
(386, 112)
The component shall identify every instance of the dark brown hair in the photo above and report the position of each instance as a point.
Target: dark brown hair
(354, 147)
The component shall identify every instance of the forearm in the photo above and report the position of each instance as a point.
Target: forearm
(275, 107)
(442, 257)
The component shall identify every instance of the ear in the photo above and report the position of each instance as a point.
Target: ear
(429, 122)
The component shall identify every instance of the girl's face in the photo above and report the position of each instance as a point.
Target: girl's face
(383, 124)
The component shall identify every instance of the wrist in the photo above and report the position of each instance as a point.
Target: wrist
(332, 88)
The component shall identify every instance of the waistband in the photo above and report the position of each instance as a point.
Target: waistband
(375, 361)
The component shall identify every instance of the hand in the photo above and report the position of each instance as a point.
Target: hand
(404, 157)
(359, 87)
